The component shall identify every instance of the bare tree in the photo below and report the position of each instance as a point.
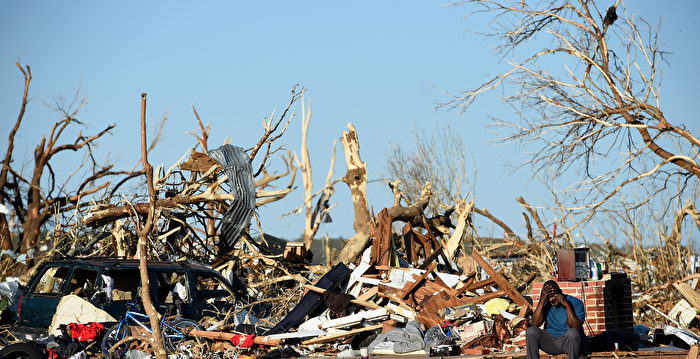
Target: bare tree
(38, 197)
(191, 198)
(317, 213)
(439, 158)
(604, 103)
(144, 234)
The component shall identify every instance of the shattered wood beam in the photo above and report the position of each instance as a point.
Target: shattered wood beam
(408, 239)
(689, 294)
(400, 302)
(383, 238)
(502, 283)
(481, 284)
(440, 248)
(526, 283)
(425, 242)
(332, 337)
(260, 340)
(411, 286)
(483, 298)
(470, 279)
(371, 292)
(355, 319)
(431, 258)
(439, 284)
(455, 239)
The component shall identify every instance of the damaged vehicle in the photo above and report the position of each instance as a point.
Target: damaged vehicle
(192, 289)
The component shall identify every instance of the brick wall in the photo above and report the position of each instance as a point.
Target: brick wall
(608, 302)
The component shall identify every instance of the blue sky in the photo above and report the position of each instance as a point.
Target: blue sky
(377, 64)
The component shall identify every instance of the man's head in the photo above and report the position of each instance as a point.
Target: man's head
(550, 289)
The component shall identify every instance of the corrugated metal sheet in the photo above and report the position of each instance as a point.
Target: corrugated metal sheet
(239, 170)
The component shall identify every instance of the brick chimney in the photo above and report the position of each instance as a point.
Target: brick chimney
(608, 302)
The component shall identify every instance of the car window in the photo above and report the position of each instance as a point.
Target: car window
(82, 282)
(51, 281)
(126, 284)
(172, 285)
(211, 287)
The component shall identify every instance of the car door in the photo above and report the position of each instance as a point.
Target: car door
(124, 288)
(170, 290)
(38, 305)
(84, 281)
(212, 294)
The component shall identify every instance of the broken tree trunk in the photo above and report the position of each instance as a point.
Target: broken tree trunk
(456, 238)
(356, 179)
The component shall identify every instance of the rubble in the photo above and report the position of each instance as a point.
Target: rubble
(391, 304)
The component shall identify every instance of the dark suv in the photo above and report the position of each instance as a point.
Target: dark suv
(108, 283)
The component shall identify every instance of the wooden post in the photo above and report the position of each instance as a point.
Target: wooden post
(502, 283)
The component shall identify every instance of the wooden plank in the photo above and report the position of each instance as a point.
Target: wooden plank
(523, 311)
(439, 285)
(386, 289)
(355, 319)
(481, 284)
(693, 353)
(483, 298)
(211, 335)
(332, 337)
(227, 336)
(384, 237)
(689, 294)
(389, 268)
(356, 301)
(526, 283)
(437, 243)
(470, 279)
(266, 341)
(502, 283)
(367, 295)
(431, 258)
(411, 286)
(425, 242)
(402, 303)
(402, 310)
(408, 241)
(447, 288)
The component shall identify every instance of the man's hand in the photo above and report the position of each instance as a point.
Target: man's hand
(548, 293)
(558, 299)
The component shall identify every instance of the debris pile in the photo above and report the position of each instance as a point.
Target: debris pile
(414, 300)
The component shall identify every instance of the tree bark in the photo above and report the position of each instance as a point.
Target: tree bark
(156, 335)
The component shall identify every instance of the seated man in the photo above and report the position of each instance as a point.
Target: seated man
(563, 317)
